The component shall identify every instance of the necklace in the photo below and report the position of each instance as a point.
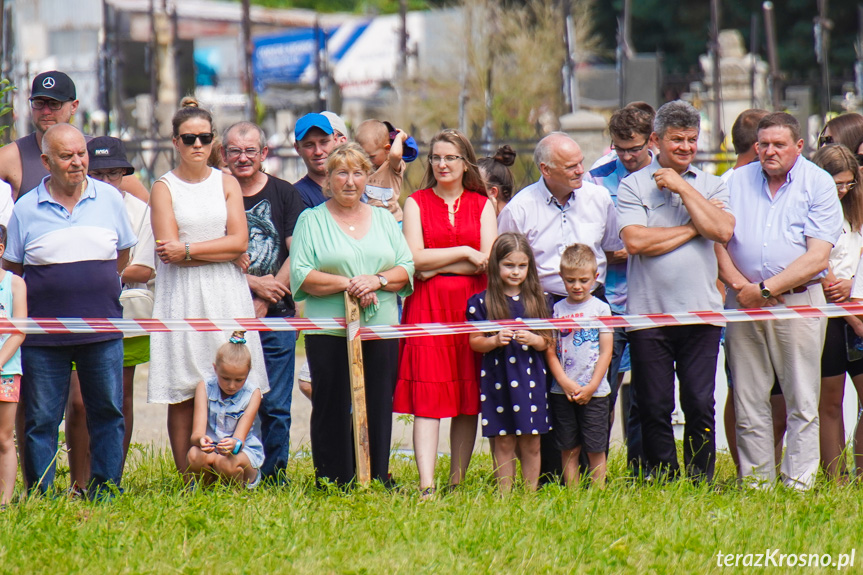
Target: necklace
(198, 181)
(351, 227)
(455, 205)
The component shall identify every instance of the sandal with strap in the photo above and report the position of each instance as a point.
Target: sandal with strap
(427, 493)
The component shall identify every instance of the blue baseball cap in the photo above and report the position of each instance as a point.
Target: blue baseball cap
(310, 121)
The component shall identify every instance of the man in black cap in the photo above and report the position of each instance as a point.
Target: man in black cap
(108, 164)
(53, 100)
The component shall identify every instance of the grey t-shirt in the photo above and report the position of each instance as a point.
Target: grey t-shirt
(683, 279)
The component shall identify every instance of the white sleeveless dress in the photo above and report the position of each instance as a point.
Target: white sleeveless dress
(178, 361)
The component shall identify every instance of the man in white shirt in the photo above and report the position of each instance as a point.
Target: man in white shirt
(562, 209)
(557, 211)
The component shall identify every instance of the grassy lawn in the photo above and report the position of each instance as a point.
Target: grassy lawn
(158, 527)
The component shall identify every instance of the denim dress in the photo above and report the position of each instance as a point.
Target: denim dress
(224, 413)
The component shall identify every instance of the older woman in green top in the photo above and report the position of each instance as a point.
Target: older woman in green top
(344, 245)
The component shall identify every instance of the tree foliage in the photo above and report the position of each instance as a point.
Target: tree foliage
(680, 30)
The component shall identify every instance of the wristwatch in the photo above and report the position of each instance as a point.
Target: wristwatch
(765, 293)
(384, 281)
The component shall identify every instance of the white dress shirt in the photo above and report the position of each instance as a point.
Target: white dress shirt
(588, 217)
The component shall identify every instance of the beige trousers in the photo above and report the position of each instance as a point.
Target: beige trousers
(792, 350)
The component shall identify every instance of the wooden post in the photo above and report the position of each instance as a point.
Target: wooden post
(358, 390)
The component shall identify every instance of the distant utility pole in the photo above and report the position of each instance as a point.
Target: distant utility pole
(717, 77)
(823, 25)
(753, 51)
(624, 49)
(772, 56)
(858, 65)
(402, 61)
(247, 62)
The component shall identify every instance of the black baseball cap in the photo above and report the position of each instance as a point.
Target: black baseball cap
(55, 85)
(107, 153)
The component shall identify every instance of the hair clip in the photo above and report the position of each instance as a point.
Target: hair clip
(238, 337)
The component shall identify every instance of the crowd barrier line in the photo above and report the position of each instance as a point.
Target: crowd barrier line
(145, 326)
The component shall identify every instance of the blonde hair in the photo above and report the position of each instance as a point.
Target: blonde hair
(235, 351)
(373, 132)
(349, 154)
(576, 257)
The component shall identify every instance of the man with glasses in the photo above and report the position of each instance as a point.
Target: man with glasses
(53, 100)
(272, 208)
(558, 210)
(670, 215)
(313, 141)
(630, 129)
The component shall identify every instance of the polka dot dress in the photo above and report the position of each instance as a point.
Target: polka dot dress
(512, 382)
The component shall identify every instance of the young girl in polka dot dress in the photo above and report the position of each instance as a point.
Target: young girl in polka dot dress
(513, 377)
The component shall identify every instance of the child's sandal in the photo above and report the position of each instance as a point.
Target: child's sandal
(427, 493)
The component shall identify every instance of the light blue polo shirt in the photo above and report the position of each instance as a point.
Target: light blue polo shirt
(771, 231)
(70, 259)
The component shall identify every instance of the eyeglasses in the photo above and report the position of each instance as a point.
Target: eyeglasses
(824, 140)
(845, 186)
(109, 175)
(189, 139)
(53, 105)
(435, 160)
(234, 153)
(628, 151)
(859, 159)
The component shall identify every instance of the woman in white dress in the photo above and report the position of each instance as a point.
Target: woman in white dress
(201, 239)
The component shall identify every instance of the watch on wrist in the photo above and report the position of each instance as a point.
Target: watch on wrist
(765, 293)
(188, 254)
(384, 281)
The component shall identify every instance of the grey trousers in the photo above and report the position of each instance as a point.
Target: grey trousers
(792, 348)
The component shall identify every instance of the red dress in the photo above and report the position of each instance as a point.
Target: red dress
(439, 375)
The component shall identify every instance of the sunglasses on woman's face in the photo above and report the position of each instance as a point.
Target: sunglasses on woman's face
(824, 140)
(189, 139)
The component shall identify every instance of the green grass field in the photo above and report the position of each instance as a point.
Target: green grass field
(159, 527)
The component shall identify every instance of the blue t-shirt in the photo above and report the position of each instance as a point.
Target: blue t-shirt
(312, 193)
(70, 259)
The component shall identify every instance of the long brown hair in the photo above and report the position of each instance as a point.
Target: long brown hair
(835, 159)
(471, 179)
(532, 297)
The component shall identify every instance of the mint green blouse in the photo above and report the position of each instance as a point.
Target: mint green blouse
(320, 244)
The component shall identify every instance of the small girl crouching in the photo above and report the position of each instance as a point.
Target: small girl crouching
(225, 430)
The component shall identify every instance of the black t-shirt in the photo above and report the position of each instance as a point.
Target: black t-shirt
(272, 214)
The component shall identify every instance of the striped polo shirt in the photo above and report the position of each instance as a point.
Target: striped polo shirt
(70, 259)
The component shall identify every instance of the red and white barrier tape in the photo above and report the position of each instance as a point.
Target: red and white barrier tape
(144, 326)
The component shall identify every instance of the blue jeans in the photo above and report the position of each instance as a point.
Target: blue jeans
(45, 387)
(275, 411)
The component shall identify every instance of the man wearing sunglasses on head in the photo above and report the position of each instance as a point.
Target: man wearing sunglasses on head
(53, 100)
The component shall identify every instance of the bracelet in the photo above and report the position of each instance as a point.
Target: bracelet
(238, 446)
(188, 254)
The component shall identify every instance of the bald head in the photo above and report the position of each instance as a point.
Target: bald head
(560, 162)
(61, 133)
(64, 155)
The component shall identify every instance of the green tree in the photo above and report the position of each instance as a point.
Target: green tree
(679, 29)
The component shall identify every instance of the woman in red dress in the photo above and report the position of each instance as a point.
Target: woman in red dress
(450, 227)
